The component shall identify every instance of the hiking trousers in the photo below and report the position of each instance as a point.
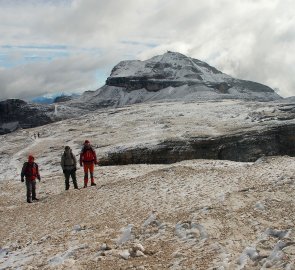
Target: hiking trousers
(88, 166)
(70, 173)
(31, 190)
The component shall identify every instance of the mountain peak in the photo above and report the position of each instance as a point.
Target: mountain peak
(169, 55)
(172, 66)
(185, 77)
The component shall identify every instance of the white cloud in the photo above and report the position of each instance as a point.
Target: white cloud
(248, 39)
(40, 78)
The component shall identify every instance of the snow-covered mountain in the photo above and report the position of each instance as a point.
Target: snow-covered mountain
(169, 66)
(172, 77)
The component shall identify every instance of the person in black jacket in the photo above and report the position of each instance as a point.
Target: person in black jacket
(30, 171)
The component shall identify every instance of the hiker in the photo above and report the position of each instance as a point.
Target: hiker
(30, 171)
(69, 166)
(88, 160)
(38, 135)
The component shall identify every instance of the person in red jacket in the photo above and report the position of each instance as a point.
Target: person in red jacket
(88, 160)
(30, 171)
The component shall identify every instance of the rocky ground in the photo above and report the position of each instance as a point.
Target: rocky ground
(197, 214)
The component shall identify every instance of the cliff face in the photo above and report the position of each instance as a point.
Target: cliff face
(136, 83)
(15, 113)
(245, 147)
(8, 107)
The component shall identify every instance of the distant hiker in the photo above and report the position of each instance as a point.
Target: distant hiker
(88, 160)
(69, 166)
(38, 135)
(30, 171)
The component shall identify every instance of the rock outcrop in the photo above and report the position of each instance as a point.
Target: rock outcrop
(62, 99)
(245, 146)
(15, 113)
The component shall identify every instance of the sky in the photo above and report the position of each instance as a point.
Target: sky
(50, 46)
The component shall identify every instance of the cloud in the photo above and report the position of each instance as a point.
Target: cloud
(252, 40)
(34, 79)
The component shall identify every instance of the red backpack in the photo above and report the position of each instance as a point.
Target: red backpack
(30, 170)
(87, 155)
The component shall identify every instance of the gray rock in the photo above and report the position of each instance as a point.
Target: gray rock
(16, 113)
(245, 146)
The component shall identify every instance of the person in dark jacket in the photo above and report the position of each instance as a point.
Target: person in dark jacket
(88, 160)
(30, 171)
(69, 166)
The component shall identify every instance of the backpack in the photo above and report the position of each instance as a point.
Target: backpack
(68, 161)
(87, 154)
(30, 170)
(72, 155)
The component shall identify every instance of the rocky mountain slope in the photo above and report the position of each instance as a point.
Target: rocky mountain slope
(174, 70)
(172, 77)
(193, 214)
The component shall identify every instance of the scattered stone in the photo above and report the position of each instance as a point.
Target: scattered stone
(139, 247)
(55, 261)
(102, 253)
(141, 267)
(152, 218)
(105, 246)
(259, 206)
(44, 239)
(77, 228)
(126, 235)
(278, 233)
(125, 254)
(137, 250)
(177, 254)
(139, 254)
(3, 252)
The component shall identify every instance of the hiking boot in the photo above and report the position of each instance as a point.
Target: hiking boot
(93, 184)
(29, 201)
(35, 199)
(85, 186)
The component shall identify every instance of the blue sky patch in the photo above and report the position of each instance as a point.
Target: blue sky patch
(12, 56)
